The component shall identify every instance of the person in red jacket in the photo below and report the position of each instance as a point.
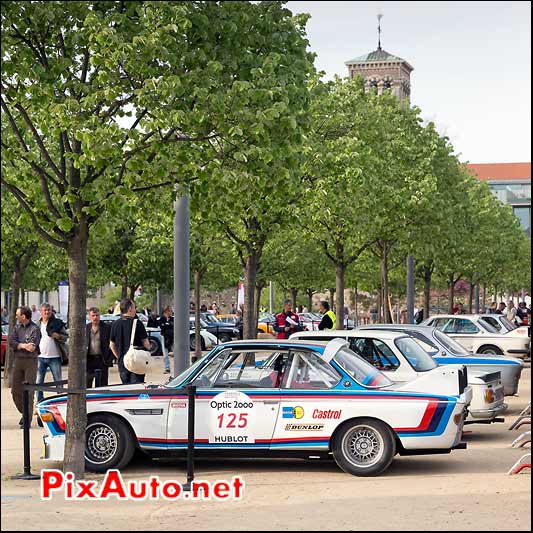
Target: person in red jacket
(287, 322)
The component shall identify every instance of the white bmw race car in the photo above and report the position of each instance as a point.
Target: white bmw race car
(277, 398)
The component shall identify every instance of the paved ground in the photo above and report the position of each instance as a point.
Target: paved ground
(466, 490)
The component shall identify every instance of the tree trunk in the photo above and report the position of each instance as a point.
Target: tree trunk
(294, 295)
(484, 300)
(250, 274)
(16, 277)
(310, 293)
(427, 274)
(339, 289)
(384, 267)
(356, 318)
(124, 289)
(258, 290)
(198, 335)
(332, 299)
(74, 458)
(379, 299)
(470, 296)
(451, 293)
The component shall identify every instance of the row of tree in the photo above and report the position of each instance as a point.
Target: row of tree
(111, 108)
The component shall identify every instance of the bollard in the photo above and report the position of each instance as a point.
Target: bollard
(98, 377)
(26, 436)
(191, 394)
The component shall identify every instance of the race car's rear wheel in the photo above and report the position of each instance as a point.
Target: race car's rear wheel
(109, 443)
(364, 447)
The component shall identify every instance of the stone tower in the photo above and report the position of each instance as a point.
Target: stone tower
(381, 70)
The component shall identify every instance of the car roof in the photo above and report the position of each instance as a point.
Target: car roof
(347, 333)
(395, 326)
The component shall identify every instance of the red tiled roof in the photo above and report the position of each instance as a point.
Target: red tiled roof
(501, 171)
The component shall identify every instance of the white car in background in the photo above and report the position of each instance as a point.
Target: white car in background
(504, 326)
(402, 360)
(478, 336)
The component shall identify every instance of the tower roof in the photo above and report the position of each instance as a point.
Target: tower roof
(378, 55)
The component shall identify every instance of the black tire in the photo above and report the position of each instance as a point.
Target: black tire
(363, 447)
(155, 346)
(490, 349)
(109, 443)
(193, 343)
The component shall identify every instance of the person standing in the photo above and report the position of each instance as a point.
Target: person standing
(24, 339)
(329, 319)
(5, 314)
(35, 314)
(521, 312)
(501, 308)
(120, 338)
(53, 333)
(99, 356)
(510, 312)
(239, 323)
(287, 322)
(166, 325)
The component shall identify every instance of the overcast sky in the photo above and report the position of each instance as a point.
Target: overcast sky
(472, 64)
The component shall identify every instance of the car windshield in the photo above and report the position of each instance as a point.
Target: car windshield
(450, 344)
(203, 323)
(181, 378)
(487, 326)
(418, 358)
(357, 368)
(208, 317)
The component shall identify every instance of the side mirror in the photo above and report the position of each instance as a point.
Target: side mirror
(443, 353)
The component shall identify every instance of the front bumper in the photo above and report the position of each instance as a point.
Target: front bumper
(53, 447)
(487, 414)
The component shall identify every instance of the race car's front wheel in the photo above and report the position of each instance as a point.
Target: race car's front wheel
(364, 447)
(109, 443)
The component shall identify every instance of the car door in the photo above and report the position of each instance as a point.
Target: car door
(308, 412)
(464, 331)
(237, 400)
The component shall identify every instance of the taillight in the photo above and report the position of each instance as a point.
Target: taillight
(489, 395)
(58, 418)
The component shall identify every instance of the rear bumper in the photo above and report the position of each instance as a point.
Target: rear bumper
(487, 414)
(53, 447)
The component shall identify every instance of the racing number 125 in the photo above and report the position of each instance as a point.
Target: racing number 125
(231, 418)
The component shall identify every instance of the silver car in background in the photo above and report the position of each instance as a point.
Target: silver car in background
(446, 350)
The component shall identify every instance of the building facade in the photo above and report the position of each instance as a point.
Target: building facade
(511, 184)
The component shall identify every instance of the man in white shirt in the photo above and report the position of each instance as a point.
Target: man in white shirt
(35, 314)
(49, 356)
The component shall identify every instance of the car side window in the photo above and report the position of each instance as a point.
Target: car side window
(463, 325)
(375, 352)
(244, 370)
(492, 321)
(308, 371)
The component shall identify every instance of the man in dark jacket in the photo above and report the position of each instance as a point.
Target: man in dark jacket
(99, 356)
(24, 339)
